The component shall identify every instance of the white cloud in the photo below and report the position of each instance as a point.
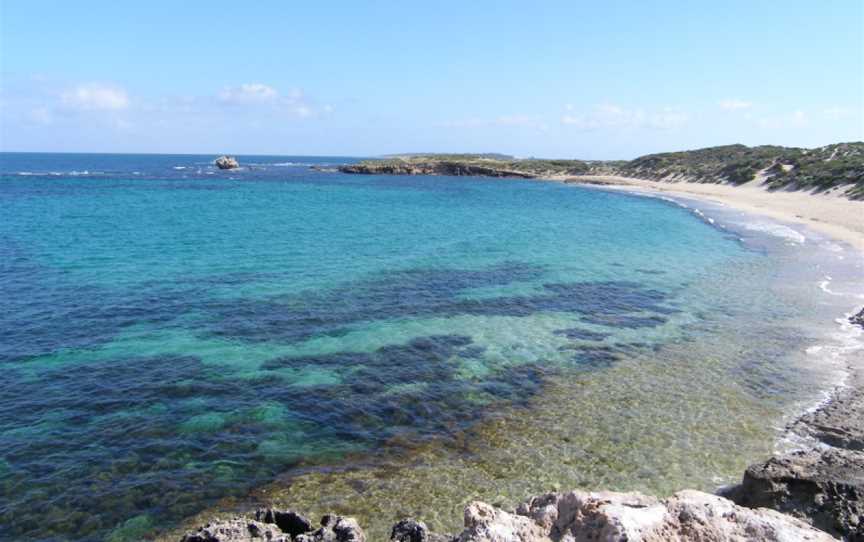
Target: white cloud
(795, 119)
(473, 122)
(523, 121)
(734, 104)
(838, 113)
(610, 116)
(95, 96)
(799, 118)
(42, 115)
(248, 93)
(293, 102)
(668, 118)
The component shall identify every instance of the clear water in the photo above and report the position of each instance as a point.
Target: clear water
(176, 339)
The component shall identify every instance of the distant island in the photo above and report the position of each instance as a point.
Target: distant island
(836, 166)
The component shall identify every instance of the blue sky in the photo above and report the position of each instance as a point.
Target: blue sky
(569, 79)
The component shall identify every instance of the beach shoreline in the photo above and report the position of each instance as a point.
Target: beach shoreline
(831, 214)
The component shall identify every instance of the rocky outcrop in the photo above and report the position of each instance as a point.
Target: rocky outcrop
(273, 525)
(287, 521)
(334, 529)
(411, 530)
(632, 517)
(432, 168)
(555, 517)
(840, 423)
(858, 319)
(825, 487)
(237, 530)
(227, 162)
(824, 484)
(485, 523)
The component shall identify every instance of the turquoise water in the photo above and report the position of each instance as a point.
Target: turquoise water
(172, 335)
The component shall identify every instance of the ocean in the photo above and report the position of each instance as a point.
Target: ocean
(177, 340)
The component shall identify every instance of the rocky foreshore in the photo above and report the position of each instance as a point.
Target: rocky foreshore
(573, 517)
(813, 494)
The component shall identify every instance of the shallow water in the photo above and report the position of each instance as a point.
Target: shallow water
(174, 337)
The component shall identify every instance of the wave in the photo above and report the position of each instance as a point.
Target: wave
(776, 230)
(72, 173)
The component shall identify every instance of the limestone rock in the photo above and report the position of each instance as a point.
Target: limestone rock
(335, 529)
(485, 523)
(227, 162)
(597, 516)
(701, 516)
(288, 521)
(633, 517)
(411, 530)
(825, 487)
(237, 530)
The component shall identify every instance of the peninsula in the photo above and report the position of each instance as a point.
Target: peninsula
(839, 166)
(822, 187)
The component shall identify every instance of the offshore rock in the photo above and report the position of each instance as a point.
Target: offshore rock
(227, 162)
(825, 487)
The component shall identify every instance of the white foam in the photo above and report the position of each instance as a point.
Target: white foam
(839, 357)
(777, 230)
(823, 285)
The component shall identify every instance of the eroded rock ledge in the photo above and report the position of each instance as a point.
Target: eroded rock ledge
(572, 517)
(824, 484)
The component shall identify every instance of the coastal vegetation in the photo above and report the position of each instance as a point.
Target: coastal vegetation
(820, 169)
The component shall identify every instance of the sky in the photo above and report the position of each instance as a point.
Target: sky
(570, 79)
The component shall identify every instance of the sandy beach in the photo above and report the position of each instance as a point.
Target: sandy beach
(830, 213)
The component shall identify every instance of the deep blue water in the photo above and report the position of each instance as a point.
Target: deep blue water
(171, 334)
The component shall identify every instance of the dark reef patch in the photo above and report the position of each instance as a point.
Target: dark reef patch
(427, 293)
(625, 320)
(577, 333)
(137, 419)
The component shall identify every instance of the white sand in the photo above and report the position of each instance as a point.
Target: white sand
(830, 214)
